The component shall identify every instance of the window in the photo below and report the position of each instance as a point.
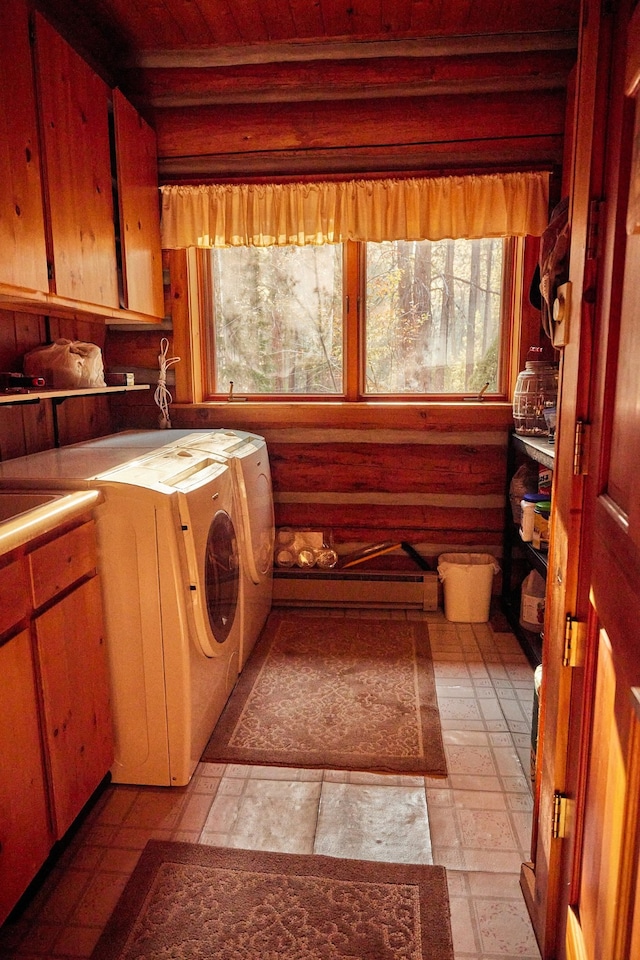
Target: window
(276, 322)
(360, 320)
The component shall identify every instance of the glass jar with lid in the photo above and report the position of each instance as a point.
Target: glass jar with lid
(536, 390)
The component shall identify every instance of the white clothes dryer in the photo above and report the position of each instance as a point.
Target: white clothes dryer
(172, 589)
(248, 456)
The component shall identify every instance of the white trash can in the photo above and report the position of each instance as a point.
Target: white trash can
(467, 579)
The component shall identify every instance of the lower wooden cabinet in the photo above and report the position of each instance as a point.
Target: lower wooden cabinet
(56, 741)
(25, 831)
(75, 700)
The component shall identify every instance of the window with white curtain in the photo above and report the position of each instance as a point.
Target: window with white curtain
(399, 289)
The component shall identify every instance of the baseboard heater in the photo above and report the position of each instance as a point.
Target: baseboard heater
(374, 588)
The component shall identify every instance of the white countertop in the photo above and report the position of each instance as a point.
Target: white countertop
(25, 515)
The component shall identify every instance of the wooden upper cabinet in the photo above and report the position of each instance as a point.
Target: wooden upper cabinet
(74, 113)
(23, 259)
(136, 155)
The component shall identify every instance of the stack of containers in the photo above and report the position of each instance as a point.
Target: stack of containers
(528, 506)
(540, 539)
(534, 529)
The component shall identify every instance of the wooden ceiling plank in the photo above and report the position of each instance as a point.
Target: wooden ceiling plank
(194, 26)
(307, 19)
(278, 19)
(337, 17)
(249, 20)
(441, 17)
(220, 22)
(396, 19)
(366, 18)
(455, 17)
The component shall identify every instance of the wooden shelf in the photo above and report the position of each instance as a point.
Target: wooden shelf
(35, 396)
(531, 643)
(537, 448)
(516, 549)
(22, 299)
(538, 558)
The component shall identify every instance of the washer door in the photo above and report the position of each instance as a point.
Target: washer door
(221, 575)
(212, 554)
(256, 503)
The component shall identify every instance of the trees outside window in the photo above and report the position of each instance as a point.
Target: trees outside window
(433, 316)
(430, 319)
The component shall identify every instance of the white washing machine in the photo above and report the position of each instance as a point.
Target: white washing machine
(249, 460)
(172, 590)
(248, 457)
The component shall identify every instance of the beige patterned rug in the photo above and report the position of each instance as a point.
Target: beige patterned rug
(336, 693)
(190, 902)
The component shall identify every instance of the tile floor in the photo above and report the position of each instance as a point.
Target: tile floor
(476, 822)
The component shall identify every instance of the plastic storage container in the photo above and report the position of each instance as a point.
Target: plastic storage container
(527, 514)
(540, 538)
(467, 579)
(536, 390)
(532, 602)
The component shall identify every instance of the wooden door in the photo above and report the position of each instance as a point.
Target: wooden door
(74, 108)
(600, 904)
(139, 200)
(544, 880)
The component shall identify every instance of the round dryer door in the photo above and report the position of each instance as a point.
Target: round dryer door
(221, 575)
(256, 502)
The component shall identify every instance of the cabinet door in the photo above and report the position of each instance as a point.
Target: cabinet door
(25, 835)
(136, 156)
(22, 234)
(75, 696)
(14, 595)
(74, 107)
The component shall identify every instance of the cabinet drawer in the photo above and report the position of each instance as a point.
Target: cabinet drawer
(60, 563)
(14, 595)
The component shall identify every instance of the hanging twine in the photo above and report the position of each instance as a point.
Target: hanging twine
(162, 396)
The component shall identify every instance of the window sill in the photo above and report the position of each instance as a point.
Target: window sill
(390, 415)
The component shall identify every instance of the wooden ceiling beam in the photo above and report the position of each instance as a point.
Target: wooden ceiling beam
(415, 159)
(300, 50)
(351, 80)
(353, 123)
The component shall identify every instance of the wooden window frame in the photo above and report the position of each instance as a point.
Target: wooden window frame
(197, 295)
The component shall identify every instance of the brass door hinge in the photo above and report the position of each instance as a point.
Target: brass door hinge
(581, 449)
(572, 642)
(559, 816)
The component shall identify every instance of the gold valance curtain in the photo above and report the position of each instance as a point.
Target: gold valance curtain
(424, 208)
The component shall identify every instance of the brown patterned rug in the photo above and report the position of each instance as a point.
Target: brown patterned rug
(192, 902)
(336, 693)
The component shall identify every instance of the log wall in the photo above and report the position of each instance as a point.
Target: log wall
(431, 475)
(476, 132)
(29, 428)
